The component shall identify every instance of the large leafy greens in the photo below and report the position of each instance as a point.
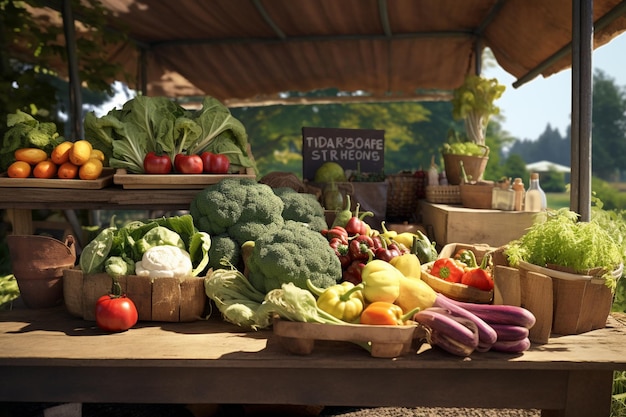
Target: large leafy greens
(558, 238)
(157, 124)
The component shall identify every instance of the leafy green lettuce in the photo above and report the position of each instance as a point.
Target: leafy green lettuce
(26, 132)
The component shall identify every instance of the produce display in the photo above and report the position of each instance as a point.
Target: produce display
(263, 253)
(154, 135)
(35, 150)
(170, 246)
(375, 280)
(463, 269)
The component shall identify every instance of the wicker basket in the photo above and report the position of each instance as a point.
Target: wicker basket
(445, 194)
(402, 195)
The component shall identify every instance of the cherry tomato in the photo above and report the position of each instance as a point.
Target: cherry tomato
(115, 313)
(157, 164)
(215, 163)
(188, 164)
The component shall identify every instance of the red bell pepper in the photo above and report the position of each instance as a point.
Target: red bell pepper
(386, 252)
(447, 269)
(336, 232)
(353, 272)
(479, 277)
(341, 250)
(361, 247)
(356, 225)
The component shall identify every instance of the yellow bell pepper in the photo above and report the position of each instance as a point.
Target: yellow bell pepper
(381, 281)
(409, 264)
(343, 301)
(406, 239)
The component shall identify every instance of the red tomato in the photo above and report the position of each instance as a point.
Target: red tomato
(215, 163)
(157, 164)
(115, 313)
(188, 164)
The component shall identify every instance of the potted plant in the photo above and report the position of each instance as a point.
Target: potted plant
(472, 102)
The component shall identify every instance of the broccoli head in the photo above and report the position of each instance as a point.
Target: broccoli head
(302, 207)
(294, 254)
(223, 246)
(239, 207)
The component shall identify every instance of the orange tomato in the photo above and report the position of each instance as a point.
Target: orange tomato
(19, 169)
(90, 170)
(80, 152)
(45, 169)
(32, 156)
(61, 153)
(67, 171)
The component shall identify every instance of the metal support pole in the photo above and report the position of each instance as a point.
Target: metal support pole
(76, 103)
(582, 82)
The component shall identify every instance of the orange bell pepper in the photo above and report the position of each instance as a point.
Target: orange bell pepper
(384, 313)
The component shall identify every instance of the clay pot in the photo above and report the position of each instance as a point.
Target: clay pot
(38, 263)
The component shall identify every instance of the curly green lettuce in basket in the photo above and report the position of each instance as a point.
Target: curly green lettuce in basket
(560, 239)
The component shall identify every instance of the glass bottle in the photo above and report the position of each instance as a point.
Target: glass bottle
(535, 197)
(503, 196)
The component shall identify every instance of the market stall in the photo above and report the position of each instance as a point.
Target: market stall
(171, 359)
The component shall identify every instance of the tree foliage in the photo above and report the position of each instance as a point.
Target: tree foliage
(609, 128)
(28, 46)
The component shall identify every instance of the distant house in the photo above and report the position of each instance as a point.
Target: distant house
(546, 166)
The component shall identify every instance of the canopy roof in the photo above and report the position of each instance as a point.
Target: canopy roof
(251, 50)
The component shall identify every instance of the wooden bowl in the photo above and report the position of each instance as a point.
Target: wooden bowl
(459, 292)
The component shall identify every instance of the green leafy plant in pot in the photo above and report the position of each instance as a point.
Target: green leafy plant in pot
(581, 261)
(472, 102)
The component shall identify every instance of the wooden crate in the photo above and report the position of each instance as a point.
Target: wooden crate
(160, 299)
(562, 303)
(448, 224)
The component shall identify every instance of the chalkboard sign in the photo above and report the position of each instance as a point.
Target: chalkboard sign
(347, 147)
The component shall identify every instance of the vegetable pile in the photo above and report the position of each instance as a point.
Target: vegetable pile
(165, 247)
(237, 210)
(278, 280)
(154, 134)
(463, 269)
(26, 132)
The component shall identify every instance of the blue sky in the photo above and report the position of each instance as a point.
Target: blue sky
(528, 109)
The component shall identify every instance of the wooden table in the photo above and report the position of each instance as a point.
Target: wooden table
(50, 356)
(20, 202)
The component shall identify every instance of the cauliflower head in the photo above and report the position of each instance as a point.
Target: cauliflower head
(294, 254)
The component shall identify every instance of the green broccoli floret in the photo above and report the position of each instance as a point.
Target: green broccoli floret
(302, 207)
(223, 246)
(239, 207)
(293, 254)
